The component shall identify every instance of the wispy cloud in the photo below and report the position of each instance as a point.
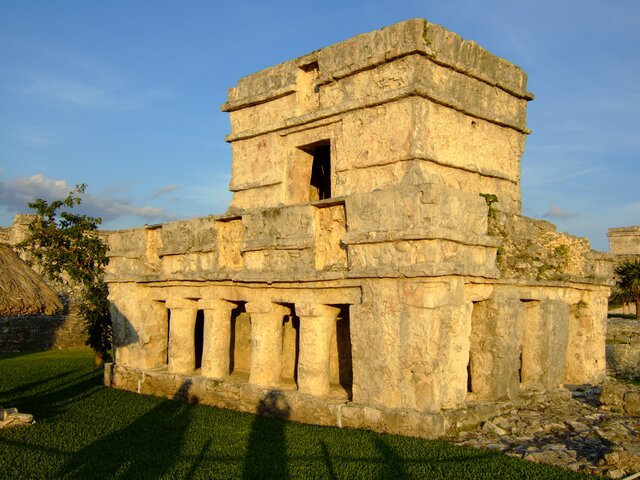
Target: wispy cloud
(545, 172)
(35, 135)
(164, 190)
(72, 91)
(16, 193)
(87, 94)
(71, 78)
(556, 212)
(633, 208)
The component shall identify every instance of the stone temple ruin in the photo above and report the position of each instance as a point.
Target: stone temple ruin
(373, 269)
(624, 242)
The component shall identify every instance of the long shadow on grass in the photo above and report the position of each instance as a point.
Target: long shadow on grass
(266, 450)
(54, 401)
(146, 448)
(12, 355)
(37, 384)
(392, 464)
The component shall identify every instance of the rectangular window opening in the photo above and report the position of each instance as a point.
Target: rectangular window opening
(320, 180)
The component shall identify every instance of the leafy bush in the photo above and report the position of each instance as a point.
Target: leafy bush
(628, 283)
(66, 246)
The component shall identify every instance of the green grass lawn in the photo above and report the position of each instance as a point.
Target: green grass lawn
(84, 430)
(628, 316)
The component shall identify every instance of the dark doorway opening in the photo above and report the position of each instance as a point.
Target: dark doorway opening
(168, 335)
(198, 338)
(320, 182)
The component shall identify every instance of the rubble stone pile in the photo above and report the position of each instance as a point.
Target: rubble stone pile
(578, 433)
(10, 417)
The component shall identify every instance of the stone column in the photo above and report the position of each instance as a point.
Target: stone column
(586, 362)
(494, 355)
(217, 336)
(317, 323)
(266, 342)
(182, 324)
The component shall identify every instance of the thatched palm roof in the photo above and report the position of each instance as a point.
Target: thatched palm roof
(23, 291)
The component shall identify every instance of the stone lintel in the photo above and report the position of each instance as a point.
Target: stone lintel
(286, 292)
(215, 304)
(175, 303)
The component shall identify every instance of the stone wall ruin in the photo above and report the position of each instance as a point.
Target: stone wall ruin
(624, 242)
(24, 333)
(373, 269)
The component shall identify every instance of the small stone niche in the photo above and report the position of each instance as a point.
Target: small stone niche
(307, 89)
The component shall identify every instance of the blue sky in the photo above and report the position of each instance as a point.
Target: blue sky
(125, 96)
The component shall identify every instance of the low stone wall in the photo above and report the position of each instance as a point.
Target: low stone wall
(332, 410)
(40, 332)
(623, 348)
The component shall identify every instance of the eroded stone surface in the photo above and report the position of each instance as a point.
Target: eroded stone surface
(572, 433)
(624, 241)
(373, 258)
(623, 347)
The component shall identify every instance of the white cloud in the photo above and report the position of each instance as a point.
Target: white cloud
(16, 193)
(554, 211)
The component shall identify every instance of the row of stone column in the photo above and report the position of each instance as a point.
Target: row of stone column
(317, 323)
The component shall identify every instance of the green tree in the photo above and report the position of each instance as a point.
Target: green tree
(67, 246)
(628, 281)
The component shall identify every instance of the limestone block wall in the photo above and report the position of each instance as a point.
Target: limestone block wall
(273, 336)
(40, 332)
(423, 334)
(623, 348)
(408, 96)
(533, 249)
(25, 333)
(624, 241)
(373, 269)
(18, 231)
